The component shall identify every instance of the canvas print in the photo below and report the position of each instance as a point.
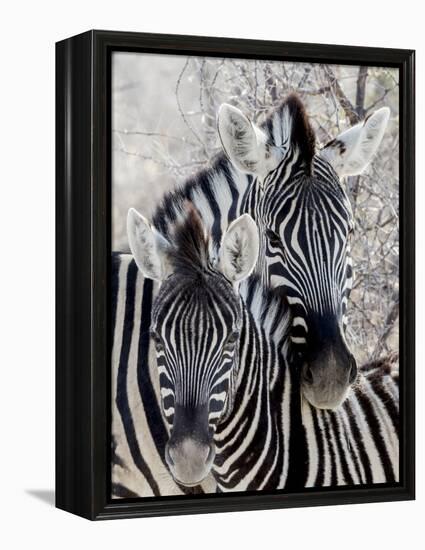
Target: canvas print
(254, 283)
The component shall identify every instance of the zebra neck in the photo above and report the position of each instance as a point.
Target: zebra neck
(249, 442)
(264, 344)
(269, 313)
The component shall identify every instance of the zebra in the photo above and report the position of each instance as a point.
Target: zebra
(218, 370)
(305, 221)
(226, 387)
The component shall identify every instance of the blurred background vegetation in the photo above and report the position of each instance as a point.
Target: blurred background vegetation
(164, 130)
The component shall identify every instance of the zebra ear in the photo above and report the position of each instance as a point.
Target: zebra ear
(243, 142)
(239, 249)
(148, 247)
(351, 151)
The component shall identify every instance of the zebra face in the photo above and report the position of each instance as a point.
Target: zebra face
(196, 329)
(305, 219)
(305, 247)
(196, 324)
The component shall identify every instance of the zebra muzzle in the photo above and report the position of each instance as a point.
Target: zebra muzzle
(189, 460)
(325, 381)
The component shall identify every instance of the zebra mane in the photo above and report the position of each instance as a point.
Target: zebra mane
(293, 118)
(189, 251)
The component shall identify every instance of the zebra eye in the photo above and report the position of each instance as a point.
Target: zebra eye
(300, 355)
(156, 338)
(232, 338)
(273, 237)
(275, 241)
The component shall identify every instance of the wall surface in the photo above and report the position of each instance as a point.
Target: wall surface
(28, 33)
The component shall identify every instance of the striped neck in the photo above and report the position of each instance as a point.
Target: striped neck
(249, 442)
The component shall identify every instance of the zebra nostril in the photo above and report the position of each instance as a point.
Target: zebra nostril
(353, 370)
(168, 457)
(299, 355)
(308, 375)
(210, 456)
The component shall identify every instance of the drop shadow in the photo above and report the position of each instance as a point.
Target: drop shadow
(45, 495)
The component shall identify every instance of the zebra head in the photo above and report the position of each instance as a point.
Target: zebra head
(196, 324)
(305, 220)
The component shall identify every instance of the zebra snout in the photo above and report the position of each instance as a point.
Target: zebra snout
(309, 378)
(325, 381)
(190, 461)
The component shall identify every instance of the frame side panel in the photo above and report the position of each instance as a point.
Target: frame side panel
(407, 273)
(73, 275)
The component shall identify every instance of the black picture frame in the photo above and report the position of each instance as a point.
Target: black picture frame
(83, 173)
